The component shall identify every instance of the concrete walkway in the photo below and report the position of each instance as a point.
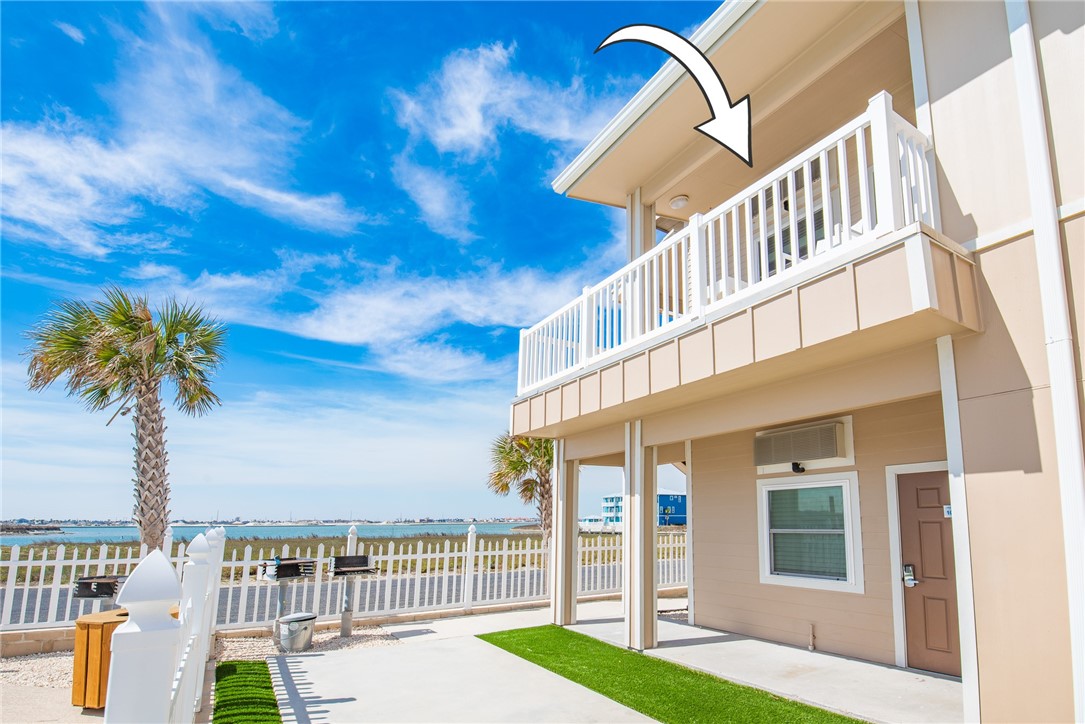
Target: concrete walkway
(856, 688)
(440, 673)
(42, 704)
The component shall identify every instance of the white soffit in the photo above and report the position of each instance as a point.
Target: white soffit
(705, 37)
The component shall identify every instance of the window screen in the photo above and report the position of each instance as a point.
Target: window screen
(806, 531)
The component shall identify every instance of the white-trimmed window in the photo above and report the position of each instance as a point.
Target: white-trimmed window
(809, 533)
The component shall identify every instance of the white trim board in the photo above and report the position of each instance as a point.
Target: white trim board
(962, 546)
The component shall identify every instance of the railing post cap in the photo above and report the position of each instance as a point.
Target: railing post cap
(152, 581)
(881, 97)
(199, 548)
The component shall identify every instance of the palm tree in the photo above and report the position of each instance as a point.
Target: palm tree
(114, 351)
(524, 465)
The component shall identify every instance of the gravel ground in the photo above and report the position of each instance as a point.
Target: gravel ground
(55, 670)
(257, 649)
(50, 670)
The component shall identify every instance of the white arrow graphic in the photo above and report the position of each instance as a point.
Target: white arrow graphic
(730, 123)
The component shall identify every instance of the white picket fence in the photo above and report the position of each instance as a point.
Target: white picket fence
(413, 576)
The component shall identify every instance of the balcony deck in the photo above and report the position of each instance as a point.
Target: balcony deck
(837, 242)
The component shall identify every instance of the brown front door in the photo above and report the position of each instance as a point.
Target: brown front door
(930, 594)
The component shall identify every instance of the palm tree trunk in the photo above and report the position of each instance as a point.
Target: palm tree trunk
(152, 493)
(546, 508)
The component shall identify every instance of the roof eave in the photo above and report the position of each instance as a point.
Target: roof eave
(660, 84)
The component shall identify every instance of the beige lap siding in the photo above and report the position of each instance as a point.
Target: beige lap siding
(728, 592)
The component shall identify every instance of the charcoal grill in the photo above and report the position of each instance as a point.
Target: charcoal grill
(285, 570)
(347, 567)
(104, 588)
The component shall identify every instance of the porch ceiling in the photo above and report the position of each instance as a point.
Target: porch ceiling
(795, 99)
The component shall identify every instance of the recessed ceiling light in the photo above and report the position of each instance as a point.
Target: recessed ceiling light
(679, 202)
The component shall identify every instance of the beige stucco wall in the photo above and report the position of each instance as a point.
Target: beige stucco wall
(974, 113)
(727, 591)
(1010, 466)
(1060, 32)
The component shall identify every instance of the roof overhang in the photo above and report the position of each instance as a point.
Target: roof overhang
(807, 66)
(706, 37)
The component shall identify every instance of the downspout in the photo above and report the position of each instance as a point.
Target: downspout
(1057, 330)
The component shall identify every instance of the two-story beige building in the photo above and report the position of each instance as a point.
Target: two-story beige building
(864, 351)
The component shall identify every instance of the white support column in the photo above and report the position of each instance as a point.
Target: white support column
(564, 565)
(639, 541)
(689, 530)
(886, 158)
(962, 548)
(1057, 331)
(920, 93)
(640, 225)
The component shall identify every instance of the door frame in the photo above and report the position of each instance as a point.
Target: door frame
(900, 642)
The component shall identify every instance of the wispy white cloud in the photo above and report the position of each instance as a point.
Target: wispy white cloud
(71, 31)
(254, 20)
(477, 92)
(443, 202)
(187, 126)
(402, 319)
(475, 95)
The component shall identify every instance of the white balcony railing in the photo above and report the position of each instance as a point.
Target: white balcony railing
(869, 178)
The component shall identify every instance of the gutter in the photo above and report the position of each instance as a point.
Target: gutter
(706, 37)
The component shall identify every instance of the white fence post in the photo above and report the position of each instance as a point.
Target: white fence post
(144, 648)
(469, 570)
(352, 540)
(216, 539)
(167, 541)
(889, 203)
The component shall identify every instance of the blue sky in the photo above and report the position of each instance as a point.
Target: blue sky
(359, 190)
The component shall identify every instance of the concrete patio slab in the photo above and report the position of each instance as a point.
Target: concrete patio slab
(856, 688)
(440, 679)
(42, 704)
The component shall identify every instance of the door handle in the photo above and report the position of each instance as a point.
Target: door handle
(909, 576)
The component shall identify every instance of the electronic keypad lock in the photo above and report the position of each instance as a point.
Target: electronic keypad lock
(909, 575)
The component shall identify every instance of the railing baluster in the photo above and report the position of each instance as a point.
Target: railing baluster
(762, 242)
(749, 242)
(793, 217)
(777, 225)
(866, 192)
(808, 207)
(827, 215)
(736, 268)
(842, 172)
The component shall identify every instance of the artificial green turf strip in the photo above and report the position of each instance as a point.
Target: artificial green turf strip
(243, 694)
(660, 689)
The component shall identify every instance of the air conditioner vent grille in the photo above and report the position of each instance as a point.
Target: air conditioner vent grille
(806, 444)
